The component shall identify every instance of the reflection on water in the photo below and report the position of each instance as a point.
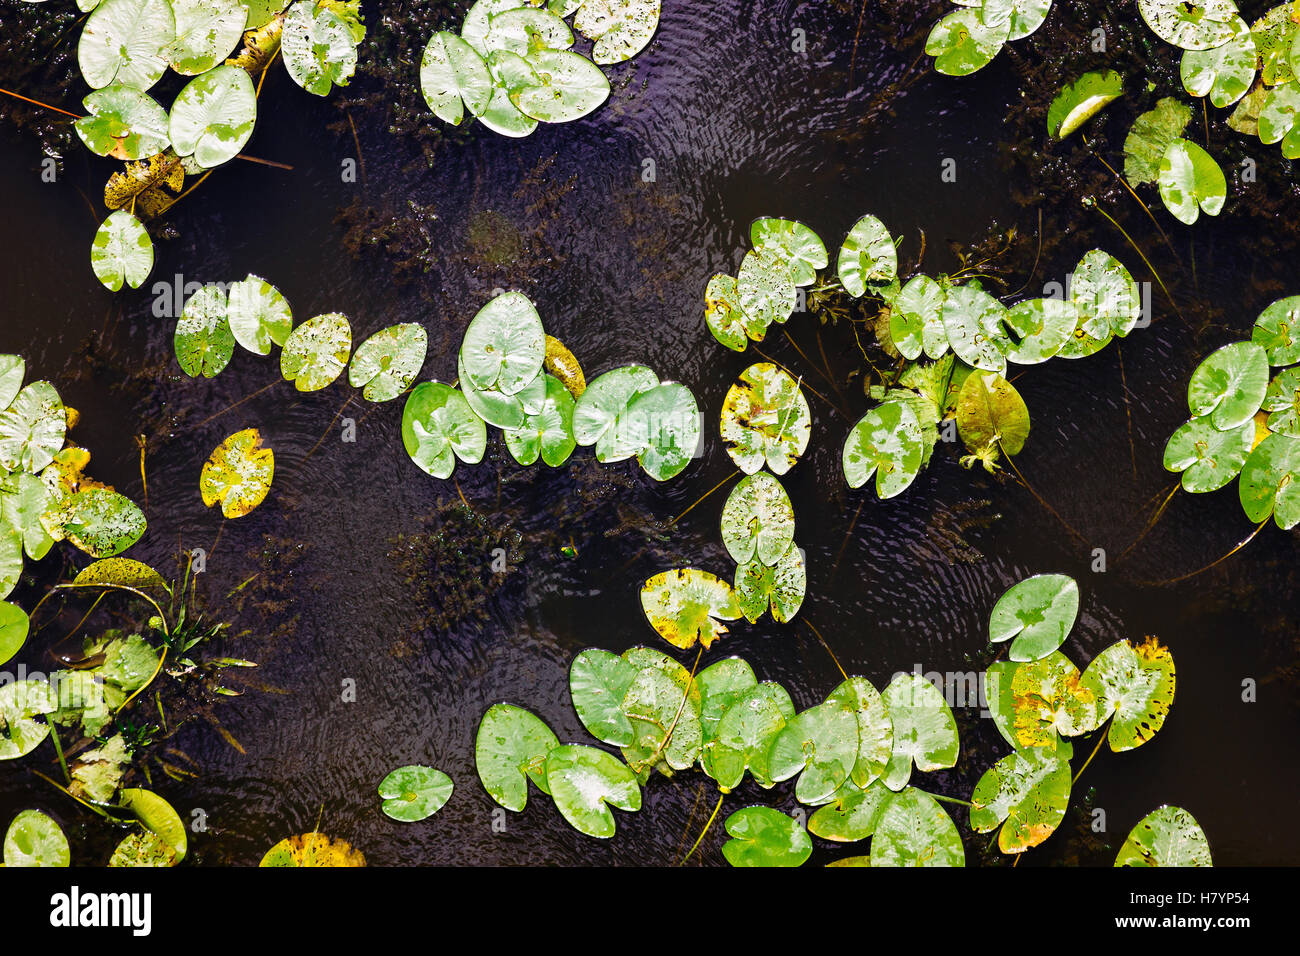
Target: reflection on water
(734, 124)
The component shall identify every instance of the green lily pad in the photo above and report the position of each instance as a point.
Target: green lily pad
(1277, 330)
(761, 836)
(990, 412)
(1134, 685)
(886, 442)
(1283, 400)
(1224, 73)
(598, 682)
(1150, 138)
(203, 342)
(207, 31)
(743, 737)
(414, 793)
(620, 28)
(915, 831)
(126, 41)
(721, 685)
(1043, 326)
(438, 426)
(758, 520)
(916, 319)
(1229, 386)
(158, 817)
(238, 474)
(854, 813)
(1201, 25)
(781, 586)
(821, 745)
(99, 521)
(122, 123)
(802, 249)
(505, 345)
(962, 43)
(765, 288)
(120, 573)
(318, 47)
(21, 508)
(1167, 836)
(549, 432)
(511, 75)
(510, 749)
(925, 732)
(1105, 296)
(1038, 612)
(875, 729)
(454, 76)
(723, 314)
(32, 429)
(664, 424)
(1278, 116)
(665, 716)
(214, 115)
(1022, 17)
(765, 420)
(1081, 100)
(685, 605)
(316, 352)
(1026, 793)
(12, 370)
(11, 559)
(526, 30)
(1270, 481)
(1191, 182)
(867, 257)
(585, 783)
(21, 703)
(33, 839)
(385, 365)
(605, 397)
(121, 251)
(570, 87)
(973, 320)
(1207, 457)
(259, 316)
(14, 625)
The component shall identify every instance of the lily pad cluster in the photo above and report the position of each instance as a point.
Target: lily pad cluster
(45, 495)
(157, 836)
(1189, 179)
(1244, 400)
(515, 377)
(512, 65)
(971, 37)
(126, 48)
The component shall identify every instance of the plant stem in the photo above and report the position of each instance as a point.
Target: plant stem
(1250, 537)
(819, 637)
(28, 99)
(707, 825)
(1139, 251)
(58, 749)
(941, 797)
(1101, 735)
(703, 496)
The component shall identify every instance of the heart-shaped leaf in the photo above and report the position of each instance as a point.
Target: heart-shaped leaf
(686, 604)
(1038, 612)
(438, 427)
(761, 836)
(585, 783)
(121, 251)
(886, 442)
(925, 732)
(238, 474)
(316, 352)
(1134, 686)
(510, 749)
(386, 364)
(1026, 793)
(765, 420)
(758, 520)
(414, 793)
(1167, 836)
(214, 115)
(203, 342)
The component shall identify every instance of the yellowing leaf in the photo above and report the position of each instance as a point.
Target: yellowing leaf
(238, 474)
(312, 849)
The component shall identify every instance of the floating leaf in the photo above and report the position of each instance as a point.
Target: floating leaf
(1270, 481)
(761, 836)
(1106, 298)
(158, 817)
(585, 783)
(962, 43)
(973, 321)
(991, 413)
(854, 813)
(563, 364)
(1150, 138)
(802, 249)
(875, 729)
(99, 521)
(1191, 182)
(867, 257)
(743, 737)
(781, 585)
(916, 319)
(548, 432)
(453, 76)
(723, 314)
(259, 316)
(238, 474)
(312, 849)
(685, 605)
(511, 75)
(1277, 330)
(598, 682)
(316, 352)
(504, 345)
(765, 288)
(526, 30)
(1081, 100)
(207, 31)
(123, 123)
(620, 28)
(1207, 457)
(121, 251)
(14, 625)
(126, 41)
(1035, 704)
(1026, 793)
(1167, 836)
(765, 420)
(438, 426)
(915, 831)
(605, 398)
(510, 749)
(120, 573)
(1229, 386)
(12, 370)
(1278, 119)
(32, 429)
(414, 793)
(386, 364)
(1134, 686)
(33, 839)
(721, 685)
(1283, 400)
(664, 712)
(1038, 612)
(569, 87)
(1191, 25)
(20, 704)
(1224, 73)
(1022, 17)
(886, 442)
(758, 520)
(204, 343)
(21, 508)
(1044, 326)
(142, 848)
(664, 424)
(318, 47)
(821, 745)
(925, 732)
(214, 115)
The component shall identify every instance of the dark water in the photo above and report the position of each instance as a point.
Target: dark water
(737, 125)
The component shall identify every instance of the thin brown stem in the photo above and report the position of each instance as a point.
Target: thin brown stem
(818, 635)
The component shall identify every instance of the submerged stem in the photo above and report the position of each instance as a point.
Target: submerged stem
(1101, 735)
(1215, 563)
(708, 823)
(819, 637)
(703, 496)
